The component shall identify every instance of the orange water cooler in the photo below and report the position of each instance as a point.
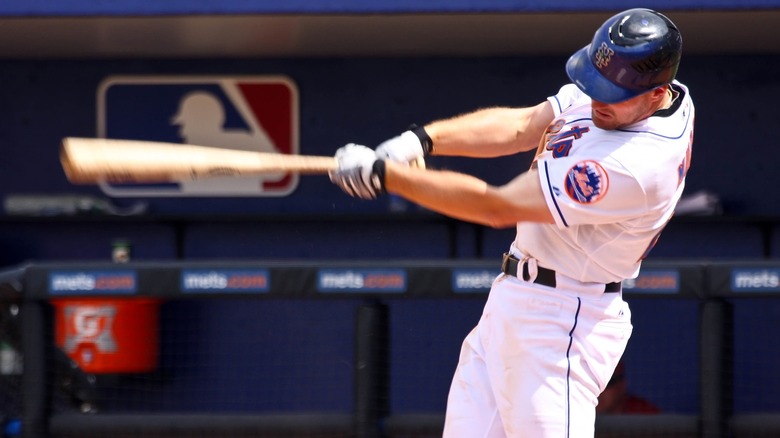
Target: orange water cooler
(109, 335)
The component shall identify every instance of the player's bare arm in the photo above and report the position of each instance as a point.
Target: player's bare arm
(467, 198)
(490, 132)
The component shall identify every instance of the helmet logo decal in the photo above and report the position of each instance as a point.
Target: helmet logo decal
(603, 55)
(586, 182)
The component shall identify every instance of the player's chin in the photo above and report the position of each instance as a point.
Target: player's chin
(604, 121)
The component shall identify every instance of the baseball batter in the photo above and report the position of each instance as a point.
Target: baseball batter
(612, 151)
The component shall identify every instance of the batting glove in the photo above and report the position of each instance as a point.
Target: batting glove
(360, 174)
(411, 146)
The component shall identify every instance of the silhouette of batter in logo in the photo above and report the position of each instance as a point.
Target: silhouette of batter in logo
(201, 121)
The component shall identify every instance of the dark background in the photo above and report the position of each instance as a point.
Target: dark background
(364, 77)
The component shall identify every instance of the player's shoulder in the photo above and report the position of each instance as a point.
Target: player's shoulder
(566, 97)
(679, 85)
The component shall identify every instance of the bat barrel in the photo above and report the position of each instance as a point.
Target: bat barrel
(91, 160)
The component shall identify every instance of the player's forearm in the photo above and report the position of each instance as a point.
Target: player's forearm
(490, 132)
(458, 195)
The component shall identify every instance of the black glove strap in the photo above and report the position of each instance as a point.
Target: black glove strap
(378, 176)
(425, 139)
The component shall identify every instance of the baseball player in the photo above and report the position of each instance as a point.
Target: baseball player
(612, 151)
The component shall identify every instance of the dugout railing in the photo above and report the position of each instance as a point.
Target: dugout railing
(713, 285)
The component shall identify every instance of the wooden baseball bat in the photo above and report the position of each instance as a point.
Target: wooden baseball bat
(92, 160)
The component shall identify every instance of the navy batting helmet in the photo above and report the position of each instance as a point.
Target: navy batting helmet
(631, 53)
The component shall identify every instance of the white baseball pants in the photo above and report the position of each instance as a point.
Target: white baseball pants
(537, 361)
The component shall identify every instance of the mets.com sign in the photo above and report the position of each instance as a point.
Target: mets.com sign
(361, 280)
(108, 282)
(225, 280)
(755, 280)
(654, 281)
(650, 281)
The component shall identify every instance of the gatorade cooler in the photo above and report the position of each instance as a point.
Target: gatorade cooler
(109, 335)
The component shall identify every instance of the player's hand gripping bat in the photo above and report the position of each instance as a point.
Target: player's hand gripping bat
(92, 160)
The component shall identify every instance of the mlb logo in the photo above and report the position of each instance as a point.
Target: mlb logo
(254, 113)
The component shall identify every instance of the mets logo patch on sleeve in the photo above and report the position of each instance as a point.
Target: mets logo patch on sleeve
(586, 182)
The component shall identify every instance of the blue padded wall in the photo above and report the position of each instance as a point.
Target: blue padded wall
(326, 240)
(67, 240)
(709, 241)
(774, 248)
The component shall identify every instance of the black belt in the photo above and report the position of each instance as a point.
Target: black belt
(544, 276)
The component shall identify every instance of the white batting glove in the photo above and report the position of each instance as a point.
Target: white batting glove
(360, 174)
(410, 146)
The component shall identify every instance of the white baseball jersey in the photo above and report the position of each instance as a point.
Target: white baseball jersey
(610, 192)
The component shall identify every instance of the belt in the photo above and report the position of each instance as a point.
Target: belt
(544, 276)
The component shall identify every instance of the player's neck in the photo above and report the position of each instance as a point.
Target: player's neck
(664, 103)
(668, 99)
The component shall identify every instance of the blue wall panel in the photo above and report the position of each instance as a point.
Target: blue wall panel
(425, 341)
(251, 355)
(318, 240)
(664, 329)
(72, 241)
(709, 241)
(755, 356)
